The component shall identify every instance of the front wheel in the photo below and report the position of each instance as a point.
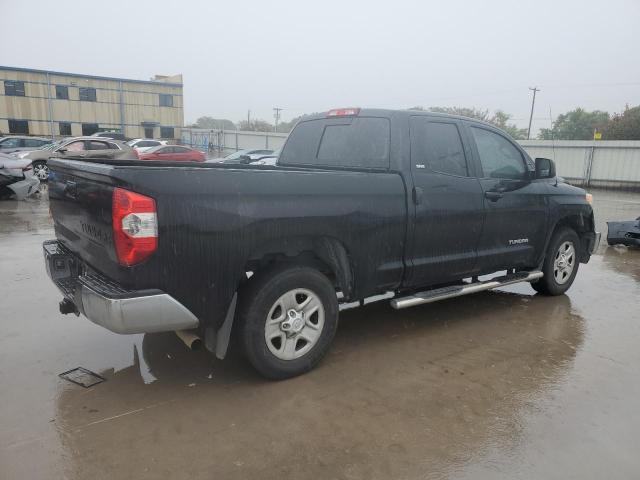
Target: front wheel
(288, 318)
(41, 170)
(560, 263)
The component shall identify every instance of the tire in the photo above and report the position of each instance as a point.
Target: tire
(41, 170)
(288, 317)
(560, 264)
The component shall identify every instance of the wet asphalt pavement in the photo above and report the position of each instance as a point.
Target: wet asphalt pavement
(503, 384)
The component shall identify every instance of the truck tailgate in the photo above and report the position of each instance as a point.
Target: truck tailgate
(80, 202)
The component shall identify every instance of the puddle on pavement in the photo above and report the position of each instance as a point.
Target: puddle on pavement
(498, 384)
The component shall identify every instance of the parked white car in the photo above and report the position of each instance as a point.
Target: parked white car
(16, 177)
(144, 144)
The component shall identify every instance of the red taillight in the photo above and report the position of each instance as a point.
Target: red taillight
(135, 226)
(136, 154)
(343, 112)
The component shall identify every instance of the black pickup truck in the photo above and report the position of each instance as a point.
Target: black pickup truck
(361, 203)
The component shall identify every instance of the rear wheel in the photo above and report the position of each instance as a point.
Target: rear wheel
(41, 170)
(560, 263)
(288, 318)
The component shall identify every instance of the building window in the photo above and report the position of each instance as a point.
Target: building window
(166, 132)
(89, 128)
(87, 94)
(148, 132)
(14, 88)
(166, 100)
(62, 92)
(65, 128)
(19, 126)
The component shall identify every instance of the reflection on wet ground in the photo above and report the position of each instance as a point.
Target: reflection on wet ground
(504, 384)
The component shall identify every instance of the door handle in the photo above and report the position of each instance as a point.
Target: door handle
(417, 195)
(493, 196)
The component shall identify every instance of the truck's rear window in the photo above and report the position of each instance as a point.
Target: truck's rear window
(350, 142)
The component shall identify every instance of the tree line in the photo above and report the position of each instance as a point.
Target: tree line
(578, 124)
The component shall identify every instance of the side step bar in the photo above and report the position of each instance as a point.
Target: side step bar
(443, 293)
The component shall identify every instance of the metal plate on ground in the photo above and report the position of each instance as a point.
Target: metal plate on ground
(83, 377)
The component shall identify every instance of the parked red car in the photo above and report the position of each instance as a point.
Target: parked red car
(173, 153)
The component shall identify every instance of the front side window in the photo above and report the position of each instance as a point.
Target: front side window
(14, 88)
(166, 100)
(498, 156)
(87, 94)
(351, 142)
(75, 146)
(437, 146)
(62, 92)
(19, 126)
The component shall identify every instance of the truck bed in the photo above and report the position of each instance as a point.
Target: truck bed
(215, 220)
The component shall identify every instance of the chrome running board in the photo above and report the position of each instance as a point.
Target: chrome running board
(443, 293)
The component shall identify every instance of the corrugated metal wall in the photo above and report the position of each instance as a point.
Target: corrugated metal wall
(607, 164)
(223, 142)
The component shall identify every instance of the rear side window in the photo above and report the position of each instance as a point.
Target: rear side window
(438, 147)
(355, 142)
(93, 145)
(32, 142)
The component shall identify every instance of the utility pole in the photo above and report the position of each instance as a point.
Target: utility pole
(533, 102)
(277, 115)
(249, 119)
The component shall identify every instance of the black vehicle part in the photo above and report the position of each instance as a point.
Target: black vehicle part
(257, 302)
(625, 233)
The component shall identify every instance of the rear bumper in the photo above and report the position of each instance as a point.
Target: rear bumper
(107, 303)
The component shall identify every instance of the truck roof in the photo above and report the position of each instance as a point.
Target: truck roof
(383, 112)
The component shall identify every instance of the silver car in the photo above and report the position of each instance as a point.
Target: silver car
(19, 143)
(78, 147)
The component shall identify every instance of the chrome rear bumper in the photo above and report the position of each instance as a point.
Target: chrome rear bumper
(107, 303)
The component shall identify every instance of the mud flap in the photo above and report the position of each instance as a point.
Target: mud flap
(217, 342)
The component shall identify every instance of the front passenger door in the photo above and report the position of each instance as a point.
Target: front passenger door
(513, 233)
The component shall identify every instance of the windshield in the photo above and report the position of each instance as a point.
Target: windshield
(53, 145)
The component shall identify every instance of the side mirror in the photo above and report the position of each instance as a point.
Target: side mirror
(545, 168)
(61, 150)
(245, 159)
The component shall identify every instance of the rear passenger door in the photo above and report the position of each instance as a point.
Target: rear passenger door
(447, 202)
(516, 208)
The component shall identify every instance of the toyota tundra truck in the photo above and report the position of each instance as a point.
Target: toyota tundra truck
(362, 202)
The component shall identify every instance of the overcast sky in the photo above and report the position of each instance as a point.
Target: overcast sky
(306, 57)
